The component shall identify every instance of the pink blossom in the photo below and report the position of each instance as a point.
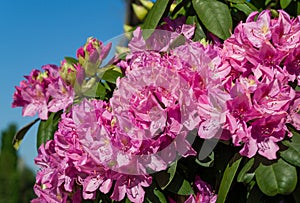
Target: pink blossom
(132, 186)
(266, 131)
(203, 193)
(149, 99)
(66, 166)
(111, 149)
(43, 92)
(263, 55)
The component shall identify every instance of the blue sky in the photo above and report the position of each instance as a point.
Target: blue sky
(38, 32)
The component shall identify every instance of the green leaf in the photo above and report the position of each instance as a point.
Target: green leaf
(199, 33)
(161, 197)
(277, 178)
(228, 177)
(285, 3)
(89, 87)
(215, 16)
(207, 162)
(237, 1)
(267, 2)
(297, 88)
(180, 9)
(245, 8)
(71, 60)
(292, 153)
(180, 186)
(153, 17)
(106, 86)
(21, 133)
(153, 194)
(127, 200)
(101, 91)
(244, 176)
(47, 128)
(111, 76)
(164, 178)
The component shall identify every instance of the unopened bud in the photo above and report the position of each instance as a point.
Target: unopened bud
(68, 72)
(127, 28)
(140, 11)
(172, 7)
(90, 56)
(147, 4)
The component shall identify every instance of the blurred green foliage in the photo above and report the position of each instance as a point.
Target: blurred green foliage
(16, 180)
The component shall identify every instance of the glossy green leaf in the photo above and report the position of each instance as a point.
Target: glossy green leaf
(199, 33)
(47, 128)
(164, 178)
(111, 76)
(277, 178)
(101, 91)
(180, 10)
(237, 1)
(267, 2)
(215, 16)
(71, 60)
(180, 186)
(153, 17)
(292, 153)
(208, 161)
(285, 3)
(228, 177)
(245, 8)
(153, 194)
(89, 87)
(21, 133)
(244, 176)
(160, 196)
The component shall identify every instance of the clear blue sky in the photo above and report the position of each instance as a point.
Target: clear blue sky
(38, 32)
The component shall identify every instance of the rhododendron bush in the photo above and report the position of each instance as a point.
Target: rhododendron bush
(201, 104)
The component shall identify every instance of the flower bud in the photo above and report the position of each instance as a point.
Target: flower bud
(90, 56)
(172, 7)
(139, 11)
(68, 72)
(147, 4)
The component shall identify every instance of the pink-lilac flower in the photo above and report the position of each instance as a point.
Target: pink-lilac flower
(66, 166)
(204, 70)
(112, 149)
(203, 193)
(49, 186)
(264, 62)
(150, 98)
(43, 92)
(132, 185)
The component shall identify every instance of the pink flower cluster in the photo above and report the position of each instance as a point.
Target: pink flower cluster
(263, 55)
(70, 164)
(202, 193)
(240, 91)
(52, 89)
(43, 92)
